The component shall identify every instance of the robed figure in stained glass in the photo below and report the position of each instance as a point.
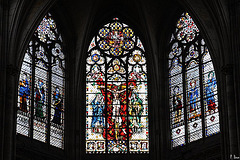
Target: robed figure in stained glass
(58, 107)
(39, 99)
(192, 95)
(211, 84)
(177, 104)
(24, 93)
(136, 110)
(97, 119)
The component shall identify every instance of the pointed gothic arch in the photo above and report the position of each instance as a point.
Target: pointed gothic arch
(116, 92)
(193, 95)
(41, 89)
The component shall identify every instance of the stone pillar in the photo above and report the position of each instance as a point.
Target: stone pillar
(3, 48)
(9, 113)
(235, 10)
(2, 79)
(232, 126)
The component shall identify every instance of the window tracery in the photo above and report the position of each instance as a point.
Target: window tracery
(116, 92)
(41, 90)
(193, 95)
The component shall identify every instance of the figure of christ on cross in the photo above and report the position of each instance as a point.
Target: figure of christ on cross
(116, 109)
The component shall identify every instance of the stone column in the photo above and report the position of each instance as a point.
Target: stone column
(3, 53)
(232, 126)
(2, 78)
(10, 113)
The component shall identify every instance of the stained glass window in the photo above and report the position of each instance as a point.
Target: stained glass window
(41, 89)
(116, 92)
(193, 95)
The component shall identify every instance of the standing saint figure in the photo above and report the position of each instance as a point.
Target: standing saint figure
(192, 97)
(58, 106)
(177, 104)
(136, 110)
(211, 85)
(98, 119)
(39, 99)
(24, 93)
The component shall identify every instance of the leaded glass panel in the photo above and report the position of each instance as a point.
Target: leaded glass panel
(116, 92)
(24, 98)
(41, 90)
(192, 81)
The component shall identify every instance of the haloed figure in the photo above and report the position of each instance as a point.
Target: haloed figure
(24, 93)
(177, 104)
(58, 107)
(193, 95)
(39, 99)
(211, 85)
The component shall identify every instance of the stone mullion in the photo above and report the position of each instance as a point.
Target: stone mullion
(127, 95)
(33, 86)
(106, 113)
(184, 93)
(49, 56)
(201, 87)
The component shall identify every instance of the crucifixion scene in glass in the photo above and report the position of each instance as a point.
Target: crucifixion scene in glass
(116, 92)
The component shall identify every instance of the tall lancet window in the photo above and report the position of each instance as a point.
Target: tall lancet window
(193, 96)
(116, 92)
(41, 89)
